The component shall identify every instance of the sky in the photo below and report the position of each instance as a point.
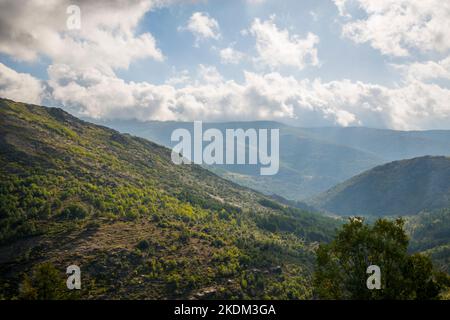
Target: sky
(373, 63)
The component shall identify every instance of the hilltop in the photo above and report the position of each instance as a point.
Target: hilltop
(398, 188)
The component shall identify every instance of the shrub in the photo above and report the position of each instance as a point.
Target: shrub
(45, 283)
(143, 245)
(73, 212)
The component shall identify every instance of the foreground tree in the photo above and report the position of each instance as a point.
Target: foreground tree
(341, 271)
(45, 283)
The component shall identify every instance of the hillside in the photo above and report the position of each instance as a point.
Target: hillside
(308, 166)
(72, 192)
(430, 234)
(312, 160)
(398, 188)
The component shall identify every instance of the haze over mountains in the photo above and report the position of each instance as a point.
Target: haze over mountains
(312, 160)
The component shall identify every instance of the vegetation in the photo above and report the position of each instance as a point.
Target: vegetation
(399, 188)
(45, 283)
(138, 226)
(312, 160)
(342, 264)
(430, 234)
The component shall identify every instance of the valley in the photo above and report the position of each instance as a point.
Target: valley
(141, 227)
(312, 160)
(137, 225)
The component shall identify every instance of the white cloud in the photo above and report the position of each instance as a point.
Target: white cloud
(278, 48)
(20, 86)
(341, 6)
(425, 70)
(209, 74)
(230, 56)
(107, 39)
(179, 78)
(416, 105)
(203, 26)
(82, 74)
(397, 27)
(89, 92)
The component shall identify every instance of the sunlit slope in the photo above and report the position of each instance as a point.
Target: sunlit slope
(139, 226)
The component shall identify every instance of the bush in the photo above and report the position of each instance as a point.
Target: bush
(45, 283)
(73, 212)
(143, 245)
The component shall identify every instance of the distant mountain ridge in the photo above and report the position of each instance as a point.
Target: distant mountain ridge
(398, 188)
(388, 144)
(312, 160)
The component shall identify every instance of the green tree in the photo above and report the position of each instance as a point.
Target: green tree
(342, 264)
(45, 283)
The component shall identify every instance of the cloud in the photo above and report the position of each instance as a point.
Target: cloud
(209, 74)
(341, 6)
(89, 92)
(277, 48)
(20, 86)
(230, 56)
(398, 27)
(107, 39)
(179, 78)
(271, 96)
(425, 70)
(82, 73)
(202, 26)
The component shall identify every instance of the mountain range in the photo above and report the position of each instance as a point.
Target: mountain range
(137, 225)
(312, 160)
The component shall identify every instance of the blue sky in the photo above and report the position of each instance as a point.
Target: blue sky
(337, 55)
(310, 63)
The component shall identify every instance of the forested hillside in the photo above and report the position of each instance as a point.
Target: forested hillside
(312, 160)
(430, 234)
(399, 188)
(138, 226)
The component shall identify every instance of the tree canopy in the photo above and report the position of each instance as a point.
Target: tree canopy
(341, 271)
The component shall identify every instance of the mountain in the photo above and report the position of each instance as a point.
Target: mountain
(398, 188)
(308, 165)
(389, 145)
(312, 160)
(137, 225)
